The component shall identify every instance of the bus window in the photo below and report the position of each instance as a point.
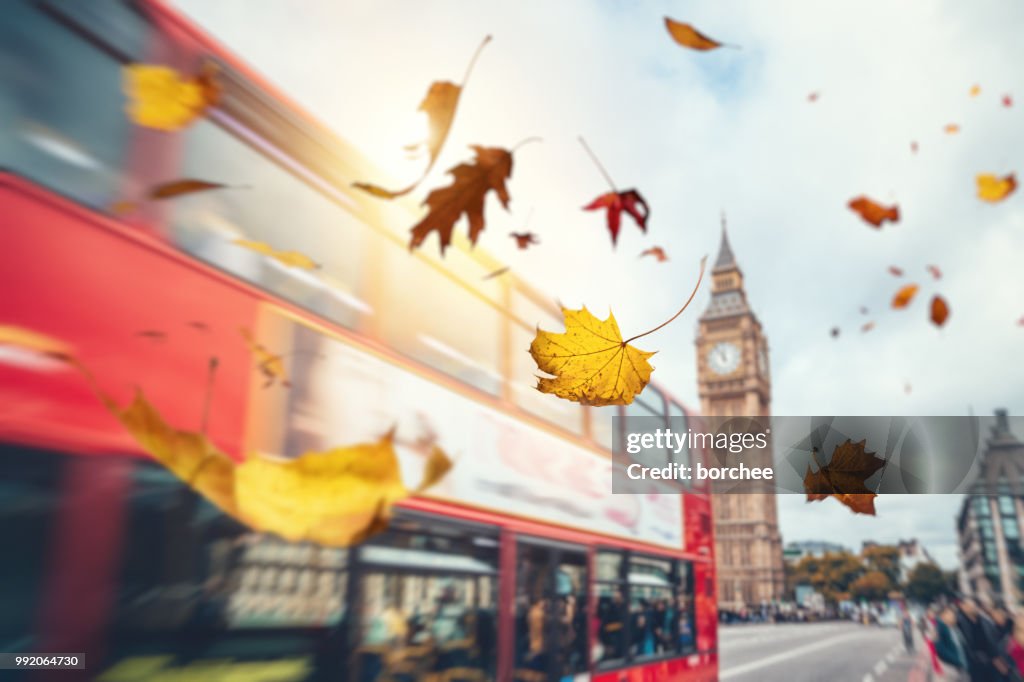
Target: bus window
(267, 204)
(436, 318)
(652, 597)
(610, 598)
(550, 616)
(62, 116)
(427, 605)
(522, 382)
(682, 621)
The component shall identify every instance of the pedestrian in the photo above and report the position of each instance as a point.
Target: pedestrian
(1015, 650)
(949, 645)
(907, 625)
(980, 643)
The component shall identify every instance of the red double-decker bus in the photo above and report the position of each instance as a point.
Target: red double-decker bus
(520, 565)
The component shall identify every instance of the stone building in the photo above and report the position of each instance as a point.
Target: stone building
(734, 380)
(989, 523)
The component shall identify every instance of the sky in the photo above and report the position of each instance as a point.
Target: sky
(728, 131)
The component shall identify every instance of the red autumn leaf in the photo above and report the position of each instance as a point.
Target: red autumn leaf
(524, 239)
(177, 188)
(1020, 322)
(874, 213)
(904, 296)
(1007, 101)
(657, 252)
(951, 129)
(629, 201)
(934, 270)
(472, 181)
(687, 36)
(813, 97)
(868, 326)
(895, 271)
(913, 147)
(940, 311)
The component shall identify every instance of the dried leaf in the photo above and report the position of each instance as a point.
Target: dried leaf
(934, 271)
(895, 271)
(687, 36)
(590, 363)
(629, 201)
(161, 98)
(993, 188)
(844, 477)
(440, 104)
(177, 188)
(834, 332)
(939, 311)
(270, 365)
(30, 340)
(866, 327)
(863, 310)
(874, 213)
(913, 147)
(813, 97)
(904, 296)
(524, 239)
(1007, 101)
(465, 195)
(437, 467)
(951, 129)
(975, 90)
(657, 252)
(293, 259)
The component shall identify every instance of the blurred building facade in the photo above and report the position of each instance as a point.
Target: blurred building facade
(988, 526)
(733, 380)
(795, 551)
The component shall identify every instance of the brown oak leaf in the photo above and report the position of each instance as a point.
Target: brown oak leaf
(844, 477)
(489, 171)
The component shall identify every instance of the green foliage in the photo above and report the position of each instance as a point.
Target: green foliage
(927, 582)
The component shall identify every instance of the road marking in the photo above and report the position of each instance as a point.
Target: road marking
(868, 678)
(880, 667)
(786, 655)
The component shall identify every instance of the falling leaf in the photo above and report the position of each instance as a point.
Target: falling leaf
(524, 239)
(1007, 101)
(939, 311)
(177, 188)
(497, 273)
(863, 310)
(975, 90)
(590, 363)
(293, 259)
(154, 334)
(269, 364)
(904, 296)
(951, 129)
(844, 477)
(687, 36)
(657, 252)
(873, 212)
(440, 105)
(629, 201)
(1020, 322)
(993, 188)
(335, 498)
(30, 340)
(834, 332)
(868, 326)
(913, 147)
(895, 271)
(813, 97)
(161, 98)
(489, 171)
(934, 271)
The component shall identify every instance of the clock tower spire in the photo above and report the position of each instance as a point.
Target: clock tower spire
(734, 380)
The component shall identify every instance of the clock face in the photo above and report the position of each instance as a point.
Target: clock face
(724, 358)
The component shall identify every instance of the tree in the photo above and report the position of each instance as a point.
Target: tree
(873, 586)
(926, 582)
(884, 559)
(831, 574)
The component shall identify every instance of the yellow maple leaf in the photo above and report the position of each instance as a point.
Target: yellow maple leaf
(590, 363)
(293, 259)
(336, 498)
(270, 365)
(993, 188)
(159, 97)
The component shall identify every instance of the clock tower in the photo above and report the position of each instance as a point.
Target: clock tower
(734, 380)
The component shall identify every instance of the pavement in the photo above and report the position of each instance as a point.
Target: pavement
(809, 652)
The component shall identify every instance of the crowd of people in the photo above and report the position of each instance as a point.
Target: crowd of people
(973, 642)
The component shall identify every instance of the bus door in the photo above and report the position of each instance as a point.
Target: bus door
(550, 611)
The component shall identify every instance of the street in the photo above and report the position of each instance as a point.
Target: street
(805, 652)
